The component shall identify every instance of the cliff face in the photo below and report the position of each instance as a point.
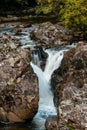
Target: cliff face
(70, 85)
(18, 83)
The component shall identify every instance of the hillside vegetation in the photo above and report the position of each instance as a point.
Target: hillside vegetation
(73, 13)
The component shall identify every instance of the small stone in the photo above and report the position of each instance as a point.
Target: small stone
(12, 45)
(11, 61)
(18, 80)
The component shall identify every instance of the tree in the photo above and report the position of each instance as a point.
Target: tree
(47, 6)
(74, 14)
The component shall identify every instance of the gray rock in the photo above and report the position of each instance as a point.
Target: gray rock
(18, 84)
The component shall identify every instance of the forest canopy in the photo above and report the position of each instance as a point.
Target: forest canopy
(72, 12)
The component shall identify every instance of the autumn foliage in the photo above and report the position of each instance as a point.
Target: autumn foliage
(72, 12)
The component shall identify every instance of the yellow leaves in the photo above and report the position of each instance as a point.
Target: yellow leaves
(74, 14)
(47, 9)
(45, 6)
(83, 10)
(49, 1)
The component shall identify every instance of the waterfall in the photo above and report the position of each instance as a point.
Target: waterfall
(53, 62)
(46, 105)
(36, 57)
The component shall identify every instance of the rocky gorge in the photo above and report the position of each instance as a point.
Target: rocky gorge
(69, 81)
(19, 85)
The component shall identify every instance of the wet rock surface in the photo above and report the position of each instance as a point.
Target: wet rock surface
(18, 83)
(54, 35)
(51, 123)
(72, 89)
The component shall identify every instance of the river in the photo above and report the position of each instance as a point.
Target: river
(46, 104)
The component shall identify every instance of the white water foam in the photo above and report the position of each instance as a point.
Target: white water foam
(46, 105)
(53, 62)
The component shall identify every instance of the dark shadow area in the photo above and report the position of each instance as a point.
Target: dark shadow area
(32, 3)
(12, 4)
(13, 7)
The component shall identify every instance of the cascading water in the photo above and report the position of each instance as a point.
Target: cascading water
(46, 105)
(53, 62)
(36, 57)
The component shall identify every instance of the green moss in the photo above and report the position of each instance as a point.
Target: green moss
(1, 49)
(69, 126)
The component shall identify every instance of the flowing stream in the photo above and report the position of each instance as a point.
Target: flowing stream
(46, 105)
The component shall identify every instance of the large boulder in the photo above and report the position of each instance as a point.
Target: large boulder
(55, 35)
(72, 89)
(18, 83)
(51, 35)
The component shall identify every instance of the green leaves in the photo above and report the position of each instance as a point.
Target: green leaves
(44, 9)
(46, 6)
(74, 14)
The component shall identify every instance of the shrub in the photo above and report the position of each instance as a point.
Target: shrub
(74, 14)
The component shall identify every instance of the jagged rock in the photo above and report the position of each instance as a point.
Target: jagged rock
(18, 84)
(51, 35)
(72, 89)
(51, 123)
(55, 35)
